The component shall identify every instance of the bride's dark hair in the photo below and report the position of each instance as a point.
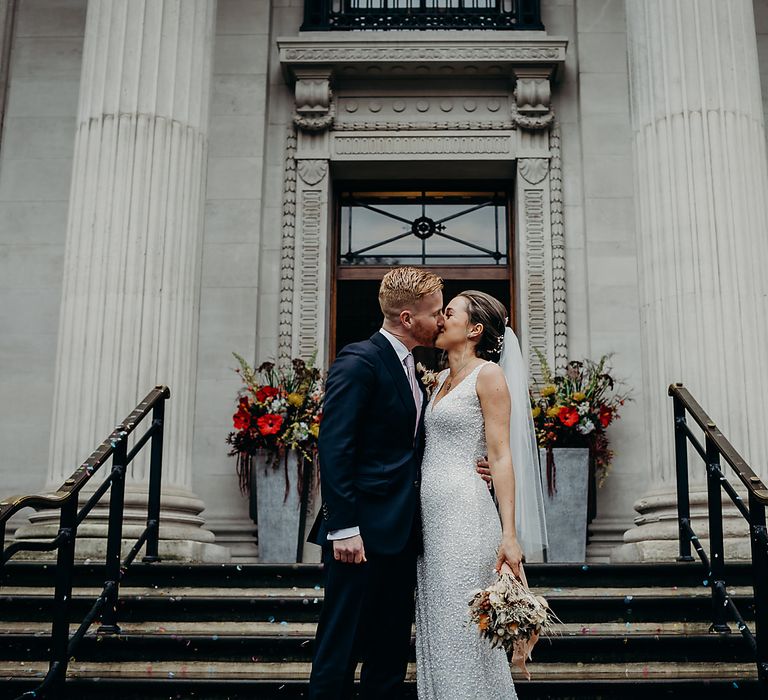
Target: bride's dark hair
(485, 309)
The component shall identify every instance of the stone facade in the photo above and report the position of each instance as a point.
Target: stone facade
(289, 113)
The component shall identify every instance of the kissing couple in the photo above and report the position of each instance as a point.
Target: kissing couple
(405, 505)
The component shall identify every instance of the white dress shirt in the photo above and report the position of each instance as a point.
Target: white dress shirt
(402, 353)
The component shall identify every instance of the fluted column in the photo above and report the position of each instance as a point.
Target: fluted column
(700, 173)
(131, 285)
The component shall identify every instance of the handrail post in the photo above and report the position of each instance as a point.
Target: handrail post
(683, 494)
(716, 561)
(114, 537)
(65, 562)
(155, 479)
(757, 528)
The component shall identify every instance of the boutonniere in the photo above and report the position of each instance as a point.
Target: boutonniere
(428, 378)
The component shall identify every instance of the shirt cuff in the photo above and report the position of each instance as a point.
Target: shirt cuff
(344, 533)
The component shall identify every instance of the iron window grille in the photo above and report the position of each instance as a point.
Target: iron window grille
(424, 228)
(330, 15)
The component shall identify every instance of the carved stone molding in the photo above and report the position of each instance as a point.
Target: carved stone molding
(532, 123)
(310, 261)
(287, 252)
(533, 97)
(422, 145)
(506, 125)
(312, 171)
(534, 170)
(557, 225)
(536, 260)
(315, 109)
(420, 52)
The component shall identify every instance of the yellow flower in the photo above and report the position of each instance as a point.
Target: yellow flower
(553, 412)
(579, 396)
(548, 390)
(536, 411)
(314, 430)
(296, 400)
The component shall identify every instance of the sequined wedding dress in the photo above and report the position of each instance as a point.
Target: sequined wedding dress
(462, 531)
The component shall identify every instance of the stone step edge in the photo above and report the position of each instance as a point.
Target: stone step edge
(299, 671)
(307, 629)
(189, 593)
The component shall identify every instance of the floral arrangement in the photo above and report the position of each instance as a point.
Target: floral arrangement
(510, 616)
(278, 409)
(574, 409)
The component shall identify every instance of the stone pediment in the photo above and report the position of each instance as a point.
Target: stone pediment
(404, 54)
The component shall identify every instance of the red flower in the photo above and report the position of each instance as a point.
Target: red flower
(242, 419)
(266, 393)
(568, 416)
(270, 424)
(605, 416)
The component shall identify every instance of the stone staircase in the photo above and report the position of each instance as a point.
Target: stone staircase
(246, 631)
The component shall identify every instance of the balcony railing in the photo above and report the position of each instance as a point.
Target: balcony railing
(344, 15)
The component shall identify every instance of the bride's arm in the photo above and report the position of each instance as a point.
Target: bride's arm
(495, 403)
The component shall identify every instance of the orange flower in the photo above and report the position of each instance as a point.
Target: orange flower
(483, 622)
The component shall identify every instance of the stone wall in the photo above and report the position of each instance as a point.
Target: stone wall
(36, 153)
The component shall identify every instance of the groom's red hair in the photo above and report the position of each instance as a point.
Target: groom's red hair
(402, 287)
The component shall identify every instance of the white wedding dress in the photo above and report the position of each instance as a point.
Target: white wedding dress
(462, 531)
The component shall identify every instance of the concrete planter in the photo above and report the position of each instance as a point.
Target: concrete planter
(565, 505)
(275, 492)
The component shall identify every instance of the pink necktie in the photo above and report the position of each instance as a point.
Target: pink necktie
(414, 386)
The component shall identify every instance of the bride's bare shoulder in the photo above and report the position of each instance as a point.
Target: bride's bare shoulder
(491, 378)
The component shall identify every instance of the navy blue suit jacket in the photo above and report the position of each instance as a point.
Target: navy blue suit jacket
(370, 460)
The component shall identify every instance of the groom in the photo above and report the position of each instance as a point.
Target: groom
(371, 444)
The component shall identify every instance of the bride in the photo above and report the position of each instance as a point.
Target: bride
(479, 407)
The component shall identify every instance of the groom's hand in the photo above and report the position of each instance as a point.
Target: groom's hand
(349, 550)
(484, 470)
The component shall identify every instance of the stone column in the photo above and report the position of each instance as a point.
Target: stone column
(700, 173)
(131, 288)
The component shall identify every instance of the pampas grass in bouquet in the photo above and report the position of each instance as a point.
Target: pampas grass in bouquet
(510, 616)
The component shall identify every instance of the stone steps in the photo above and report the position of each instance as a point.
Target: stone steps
(248, 631)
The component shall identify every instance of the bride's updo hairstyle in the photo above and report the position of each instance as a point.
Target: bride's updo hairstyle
(485, 309)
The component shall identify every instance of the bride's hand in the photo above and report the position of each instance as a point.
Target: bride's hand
(510, 556)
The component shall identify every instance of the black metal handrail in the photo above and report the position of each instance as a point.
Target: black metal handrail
(344, 15)
(65, 499)
(715, 448)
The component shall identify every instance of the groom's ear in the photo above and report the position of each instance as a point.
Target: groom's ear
(406, 318)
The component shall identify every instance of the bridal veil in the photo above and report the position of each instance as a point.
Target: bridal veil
(529, 495)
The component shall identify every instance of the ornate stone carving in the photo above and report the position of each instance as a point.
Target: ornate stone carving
(425, 126)
(533, 123)
(315, 108)
(314, 123)
(416, 145)
(558, 249)
(536, 262)
(312, 171)
(287, 247)
(309, 290)
(533, 98)
(420, 53)
(534, 170)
